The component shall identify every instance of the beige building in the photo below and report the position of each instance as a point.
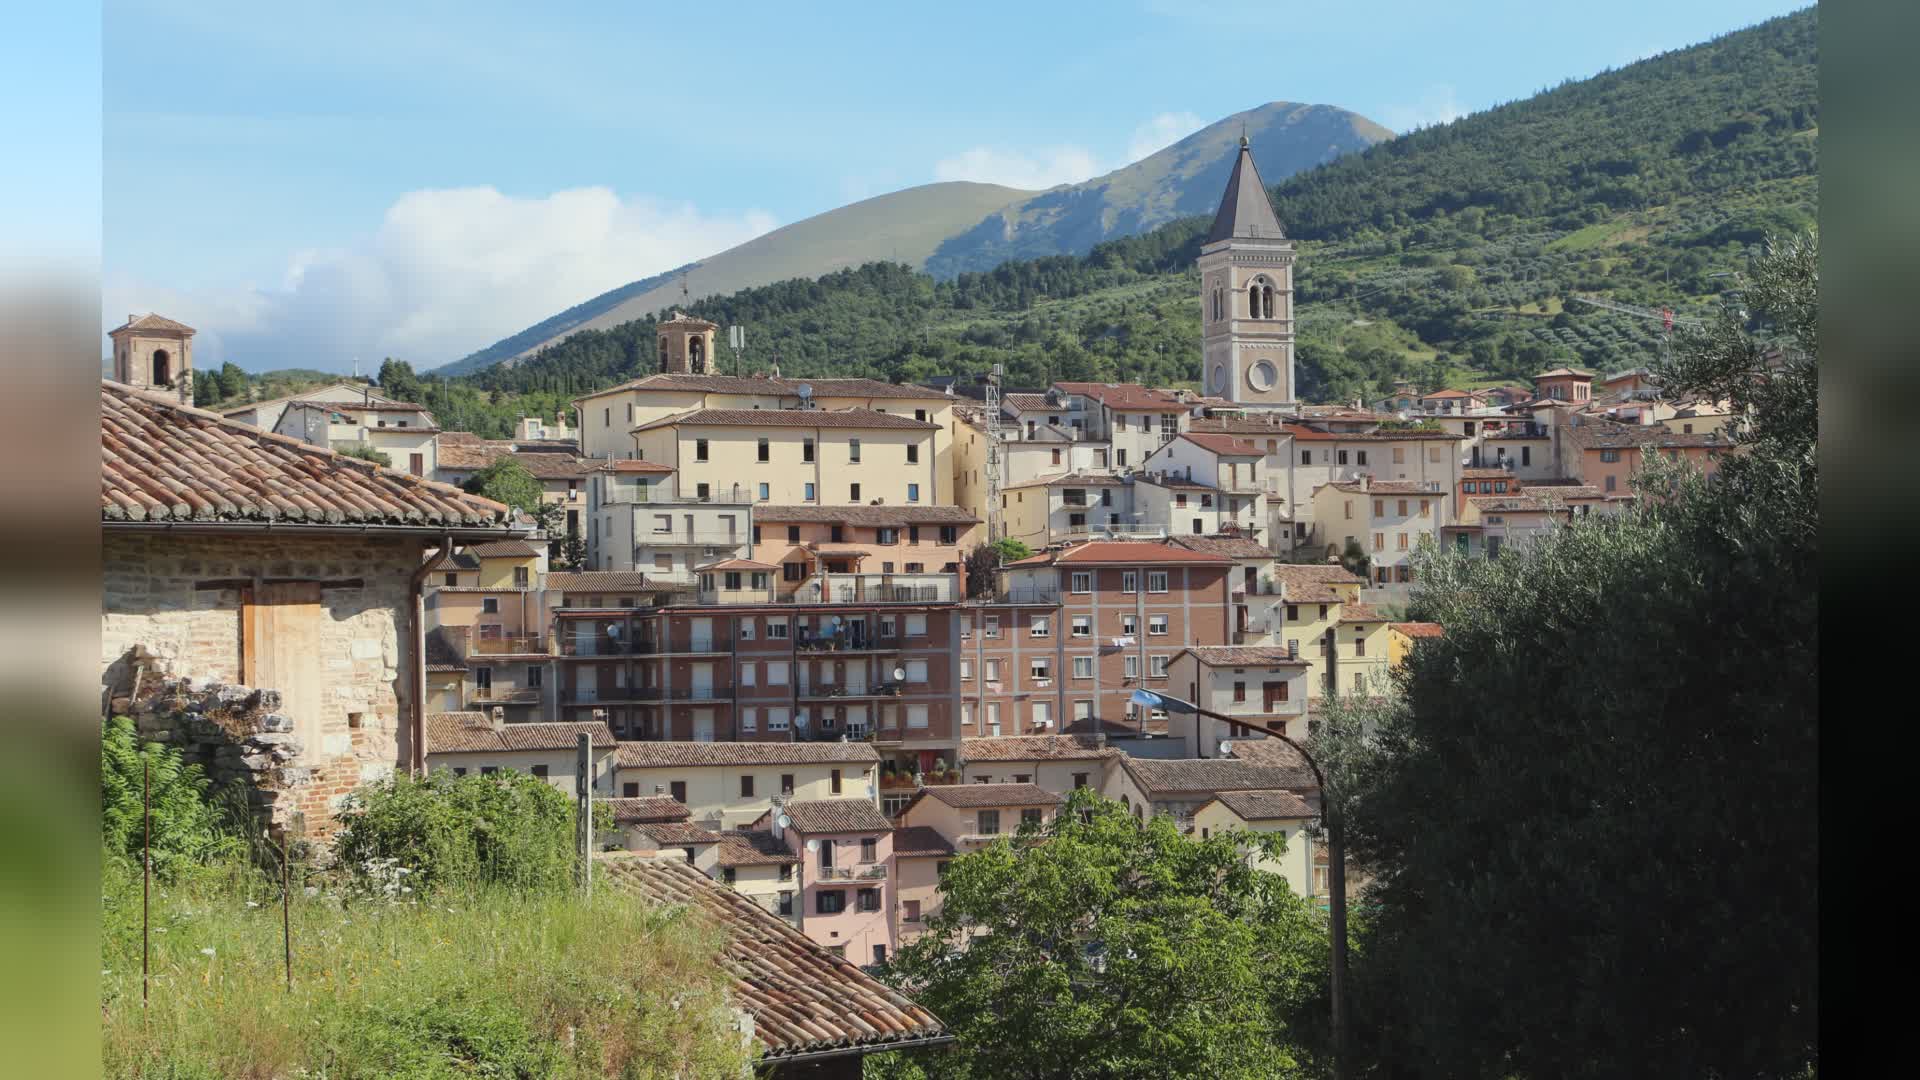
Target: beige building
(761, 868)
(1266, 812)
(476, 742)
(1261, 685)
(1387, 519)
(347, 414)
(920, 858)
(154, 354)
(1178, 788)
(1075, 506)
(1325, 624)
(973, 815)
(1059, 764)
(729, 784)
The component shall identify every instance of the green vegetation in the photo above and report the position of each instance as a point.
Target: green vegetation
(501, 829)
(506, 480)
(365, 452)
(188, 826)
(1117, 948)
(1642, 842)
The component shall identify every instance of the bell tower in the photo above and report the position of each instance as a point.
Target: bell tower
(686, 345)
(1246, 296)
(154, 354)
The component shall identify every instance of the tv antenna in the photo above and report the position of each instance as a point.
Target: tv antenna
(737, 337)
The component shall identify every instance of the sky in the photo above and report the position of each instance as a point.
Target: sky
(315, 185)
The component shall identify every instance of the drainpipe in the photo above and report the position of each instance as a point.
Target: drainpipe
(417, 666)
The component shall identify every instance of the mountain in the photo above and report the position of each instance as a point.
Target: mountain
(953, 227)
(1183, 179)
(1456, 255)
(902, 226)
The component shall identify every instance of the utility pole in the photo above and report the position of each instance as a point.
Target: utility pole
(583, 814)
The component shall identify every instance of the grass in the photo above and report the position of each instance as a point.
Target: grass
(480, 983)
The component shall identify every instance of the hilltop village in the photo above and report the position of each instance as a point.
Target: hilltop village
(795, 672)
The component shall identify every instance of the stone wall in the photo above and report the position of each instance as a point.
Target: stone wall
(171, 607)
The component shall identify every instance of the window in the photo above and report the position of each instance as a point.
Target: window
(749, 720)
(699, 449)
(916, 626)
(916, 671)
(679, 790)
(826, 854)
(1180, 501)
(853, 451)
(1030, 817)
(1133, 667)
(870, 901)
(1082, 626)
(490, 605)
(912, 910)
(786, 897)
(540, 771)
(1080, 780)
(1403, 542)
(949, 534)
(1399, 455)
(776, 673)
(1129, 581)
(776, 629)
(853, 492)
(1037, 626)
(1239, 691)
(991, 627)
(1129, 624)
(806, 449)
(627, 791)
(1362, 457)
(1379, 541)
(1610, 456)
(913, 492)
(1157, 667)
(1082, 581)
(1156, 581)
(993, 670)
(966, 670)
(777, 721)
(913, 454)
(1156, 625)
(1359, 644)
(940, 868)
(1040, 667)
(1083, 667)
(1526, 455)
(830, 901)
(988, 823)
(452, 580)
(917, 717)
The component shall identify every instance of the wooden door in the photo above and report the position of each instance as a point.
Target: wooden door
(280, 650)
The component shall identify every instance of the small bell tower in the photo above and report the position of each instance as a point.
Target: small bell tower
(154, 354)
(686, 345)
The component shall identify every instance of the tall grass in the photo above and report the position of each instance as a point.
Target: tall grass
(469, 982)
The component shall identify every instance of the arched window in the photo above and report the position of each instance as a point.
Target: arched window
(1266, 300)
(663, 354)
(1253, 300)
(696, 353)
(162, 368)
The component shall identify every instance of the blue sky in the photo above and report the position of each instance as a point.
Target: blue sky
(311, 183)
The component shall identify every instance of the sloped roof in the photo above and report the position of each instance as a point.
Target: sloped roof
(471, 732)
(678, 833)
(1122, 395)
(1274, 804)
(967, 796)
(802, 418)
(1357, 613)
(163, 461)
(597, 581)
(862, 516)
(1197, 775)
(1072, 479)
(803, 999)
(1242, 656)
(650, 809)
(504, 549)
(1123, 553)
(754, 847)
(1245, 211)
(1419, 629)
(1267, 751)
(1564, 372)
(631, 465)
(659, 755)
(837, 815)
(1034, 403)
(1034, 748)
(151, 321)
(922, 841)
(1223, 445)
(1233, 547)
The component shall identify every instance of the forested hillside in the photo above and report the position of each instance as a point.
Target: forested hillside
(1451, 255)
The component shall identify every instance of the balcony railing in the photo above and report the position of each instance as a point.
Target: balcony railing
(689, 538)
(830, 691)
(504, 695)
(594, 695)
(1118, 532)
(608, 647)
(661, 494)
(1027, 594)
(867, 872)
(511, 644)
(838, 643)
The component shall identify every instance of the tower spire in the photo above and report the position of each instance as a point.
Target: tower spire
(1245, 210)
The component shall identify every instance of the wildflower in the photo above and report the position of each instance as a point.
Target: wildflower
(206, 952)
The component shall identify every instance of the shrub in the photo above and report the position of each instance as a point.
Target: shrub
(503, 828)
(188, 829)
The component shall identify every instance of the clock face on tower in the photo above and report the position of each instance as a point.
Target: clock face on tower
(1262, 375)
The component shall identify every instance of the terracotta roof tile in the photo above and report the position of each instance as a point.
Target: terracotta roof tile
(473, 733)
(164, 461)
(659, 755)
(504, 549)
(1419, 629)
(921, 841)
(1266, 751)
(838, 815)
(1266, 805)
(967, 796)
(1072, 479)
(151, 321)
(1195, 775)
(679, 833)
(1123, 553)
(1223, 445)
(754, 847)
(1355, 613)
(1122, 395)
(1034, 748)
(597, 581)
(802, 998)
(802, 418)
(1243, 656)
(651, 809)
(1033, 403)
(863, 516)
(630, 465)
(1233, 547)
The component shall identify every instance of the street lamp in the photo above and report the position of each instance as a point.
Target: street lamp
(1336, 857)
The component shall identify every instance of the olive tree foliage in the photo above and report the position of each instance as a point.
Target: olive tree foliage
(1589, 813)
(1098, 945)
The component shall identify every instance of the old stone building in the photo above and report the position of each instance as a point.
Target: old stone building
(151, 352)
(238, 557)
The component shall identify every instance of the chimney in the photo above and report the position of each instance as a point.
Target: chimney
(499, 718)
(1366, 481)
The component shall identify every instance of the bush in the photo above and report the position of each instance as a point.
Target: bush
(505, 828)
(189, 830)
(365, 453)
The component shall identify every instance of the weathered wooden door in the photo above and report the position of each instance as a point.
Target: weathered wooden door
(280, 650)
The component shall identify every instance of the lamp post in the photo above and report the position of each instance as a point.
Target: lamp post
(1336, 859)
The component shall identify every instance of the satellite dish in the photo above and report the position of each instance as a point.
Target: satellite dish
(783, 821)
(835, 620)
(813, 844)
(1226, 747)
(899, 674)
(805, 392)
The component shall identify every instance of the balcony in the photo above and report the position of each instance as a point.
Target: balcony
(842, 693)
(504, 695)
(868, 872)
(508, 645)
(661, 495)
(877, 589)
(597, 647)
(602, 695)
(1117, 532)
(845, 643)
(689, 538)
(1026, 594)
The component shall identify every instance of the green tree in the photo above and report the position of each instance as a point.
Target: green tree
(365, 452)
(233, 381)
(398, 380)
(506, 480)
(1645, 822)
(1098, 945)
(1011, 550)
(188, 828)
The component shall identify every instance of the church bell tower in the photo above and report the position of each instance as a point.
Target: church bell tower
(154, 354)
(686, 345)
(1246, 296)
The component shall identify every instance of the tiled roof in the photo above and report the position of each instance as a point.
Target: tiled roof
(1223, 445)
(1087, 726)
(1317, 573)
(803, 999)
(1233, 547)
(1487, 474)
(1612, 436)
(163, 461)
(736, 384)
(754, 847)
(1419, 629)
(967, 796)
(459, 560)
(381, 405)
(651, 809)
(631, 465)
(1562, 372)
(442, 653)
(1270, 752)
(863, 516)
(1123, 553)
(1193, 775)
(1072, 479)
(675, 833)
(1384, 487)
(1267, 426)
(802, 418)
(151, 321)
(873, 388)
(1514, 504)
(365, 389)
(920, 841)
(838, 815)
(736, 564)
(504, 549)
(1171, 483)
(1242, 656)
(1273, 804)
(1355, 613)
(596, 581)
(472, 733)
(660, 755)
(1449, 393)
(551, 466)
(1122, 395)
(1033, 748)
(1033, 403)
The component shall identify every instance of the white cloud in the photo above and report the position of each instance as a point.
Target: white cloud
(1161, 132)
(447, 272)
(1437, 105)
(1036, 171)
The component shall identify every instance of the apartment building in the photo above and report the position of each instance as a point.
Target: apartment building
(760, 868)
(1070, 635)
(1480, 481)
(562, 473)
(1386, 519)
(1324, 623)
(1261, 685)
(844, 877)
(1402, 636)
(1492, 523)
(884, 545)
(725, 785)
(1073, 506)
(1265, 813)
(1608, 456)
(1060, 764)
(1178, 788)
(484, 743)
(1205, 484)
(920, 858)
(640, 520)
(1133, 420)
(484, 605)
(1564, 384)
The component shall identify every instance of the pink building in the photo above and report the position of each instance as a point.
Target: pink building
(845, 873)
